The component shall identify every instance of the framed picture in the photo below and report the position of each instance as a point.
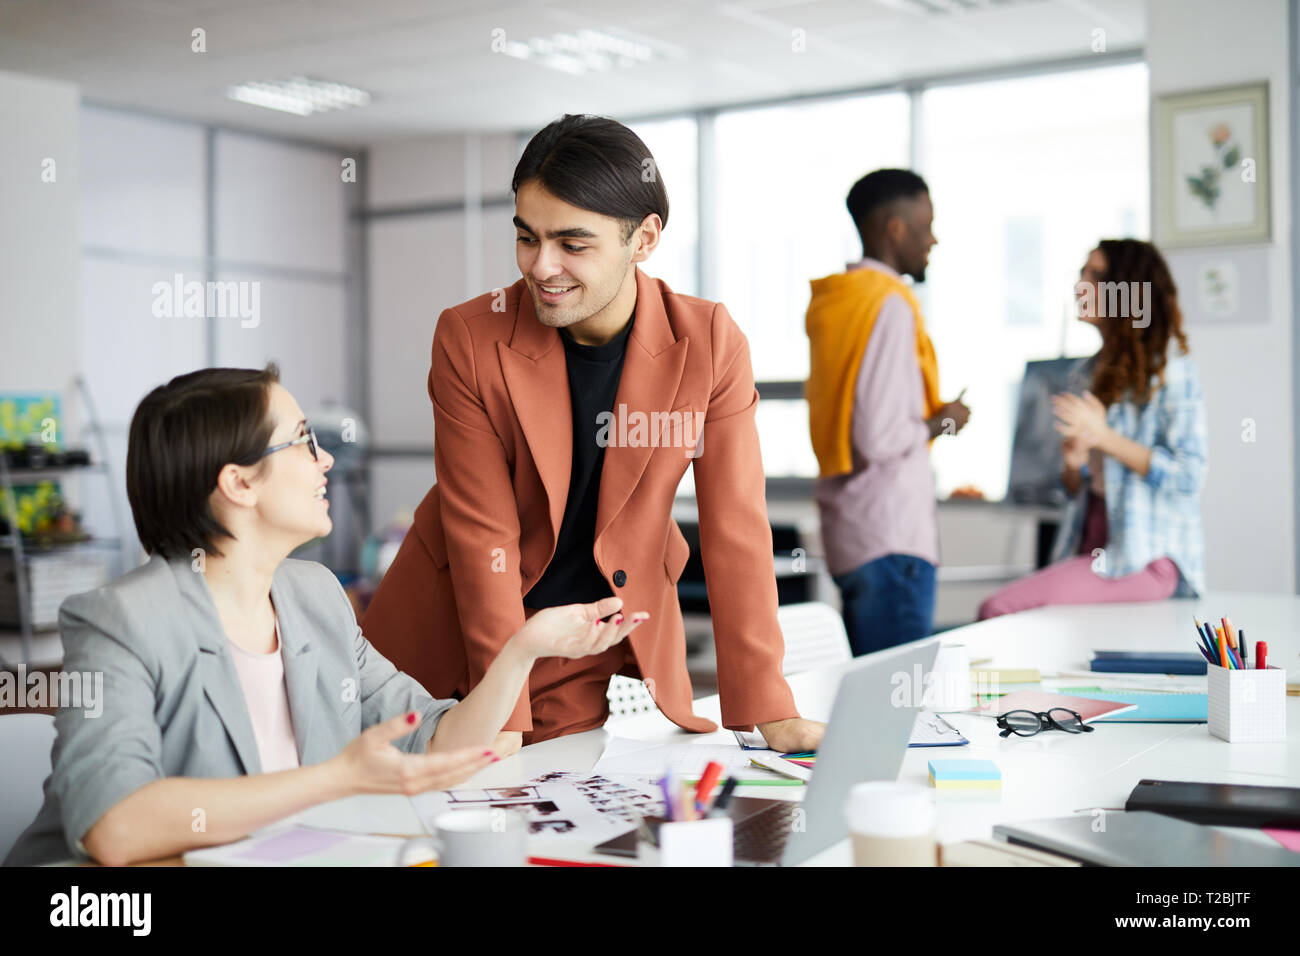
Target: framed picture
(1212, 174)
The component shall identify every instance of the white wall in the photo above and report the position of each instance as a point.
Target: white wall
(279, 219)
(39, 244)
(430, 244)
(1246, 367)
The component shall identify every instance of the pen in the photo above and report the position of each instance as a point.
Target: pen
(1241, 646)
(1207, 638)
(666, 786)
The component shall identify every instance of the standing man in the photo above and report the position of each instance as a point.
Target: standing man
(566, 409)
(873, 402)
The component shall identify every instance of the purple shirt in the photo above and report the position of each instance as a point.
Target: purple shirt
(886, 505)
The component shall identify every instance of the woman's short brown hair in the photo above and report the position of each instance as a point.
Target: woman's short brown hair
(182, 435)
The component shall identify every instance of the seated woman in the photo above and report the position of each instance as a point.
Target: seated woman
(1133, 448)
(238, 688)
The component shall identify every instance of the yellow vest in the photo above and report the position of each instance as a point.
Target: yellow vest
(840, 317)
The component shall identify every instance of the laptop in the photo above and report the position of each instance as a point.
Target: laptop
(866, 739)
(1142, 838)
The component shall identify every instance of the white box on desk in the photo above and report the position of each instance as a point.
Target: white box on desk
(1247, 706)
(696, 843)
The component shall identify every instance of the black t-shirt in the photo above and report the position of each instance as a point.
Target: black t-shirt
(572, 576)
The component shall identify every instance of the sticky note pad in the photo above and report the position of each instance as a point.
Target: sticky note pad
(965, 775)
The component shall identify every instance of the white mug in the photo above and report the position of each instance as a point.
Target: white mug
(479, 837)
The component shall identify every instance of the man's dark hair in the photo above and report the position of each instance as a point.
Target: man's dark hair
(597, 164)
(878, 189)
(182, 435)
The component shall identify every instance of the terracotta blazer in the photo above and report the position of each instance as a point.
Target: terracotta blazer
(486, 531)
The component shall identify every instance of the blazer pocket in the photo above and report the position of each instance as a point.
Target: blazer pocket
(681, 429)
(676, 553)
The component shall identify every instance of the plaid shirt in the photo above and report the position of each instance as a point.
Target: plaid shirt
(1159, 515)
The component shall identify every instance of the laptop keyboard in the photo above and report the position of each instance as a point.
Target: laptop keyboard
(761, 837)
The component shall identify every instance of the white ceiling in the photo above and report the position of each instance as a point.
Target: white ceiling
(430, 66)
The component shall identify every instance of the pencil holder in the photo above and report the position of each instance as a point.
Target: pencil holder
(1247, 706)
(693, 842)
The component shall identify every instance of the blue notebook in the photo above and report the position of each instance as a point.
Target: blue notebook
(1148, 662)
(1154, 708)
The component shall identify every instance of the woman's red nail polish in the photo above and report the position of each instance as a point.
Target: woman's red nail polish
(410, 718)
(619, 619)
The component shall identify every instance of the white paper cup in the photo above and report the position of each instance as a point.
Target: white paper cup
(891, 824)
(487, 837)
(948, 688)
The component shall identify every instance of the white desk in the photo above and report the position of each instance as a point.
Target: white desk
(1052, 774)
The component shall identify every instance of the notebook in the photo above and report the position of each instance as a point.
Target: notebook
(1152, 708)
(1148, 662)
(1088, 708)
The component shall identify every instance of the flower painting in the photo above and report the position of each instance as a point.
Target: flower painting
(1212, 166)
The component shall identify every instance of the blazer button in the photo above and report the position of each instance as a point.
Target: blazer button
(620, 578)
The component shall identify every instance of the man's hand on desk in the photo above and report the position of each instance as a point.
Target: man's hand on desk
(793, 735)
(508, 742)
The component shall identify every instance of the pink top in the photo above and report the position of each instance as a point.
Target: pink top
(886, 505)
(267, 698)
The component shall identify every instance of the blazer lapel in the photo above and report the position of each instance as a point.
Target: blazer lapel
(652, 373)
(300, 666)
(216, 667)
(537, 379)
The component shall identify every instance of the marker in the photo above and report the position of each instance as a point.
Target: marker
(724, 798)
(1261, 654)
(1223, 647)
(1241, 647)
(708, 779)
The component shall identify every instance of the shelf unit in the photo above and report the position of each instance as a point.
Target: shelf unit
(23, 548)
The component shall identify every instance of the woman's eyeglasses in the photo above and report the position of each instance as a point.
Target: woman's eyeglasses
(309, 437)
(1026, 723)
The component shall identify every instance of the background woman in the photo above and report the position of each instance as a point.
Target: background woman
(1133, 448)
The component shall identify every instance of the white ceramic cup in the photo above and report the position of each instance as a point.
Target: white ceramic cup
(948, 688)
(891, 824)
(486, 837)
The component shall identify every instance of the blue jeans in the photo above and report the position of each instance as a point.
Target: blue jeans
(887, 601)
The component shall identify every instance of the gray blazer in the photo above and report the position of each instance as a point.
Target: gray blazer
(172, 702)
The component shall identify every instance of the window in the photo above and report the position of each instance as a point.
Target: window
(674, 145)
(781, 175)
(1026, 176)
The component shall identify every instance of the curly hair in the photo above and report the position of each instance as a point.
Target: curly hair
(1132, 355)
